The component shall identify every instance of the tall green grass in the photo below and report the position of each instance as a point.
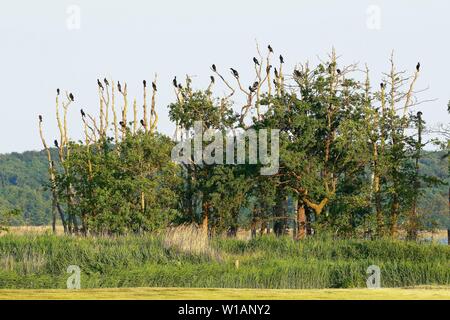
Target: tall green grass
(266, 262)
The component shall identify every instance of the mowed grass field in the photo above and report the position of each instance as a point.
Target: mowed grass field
(430, 293)
(438, 293)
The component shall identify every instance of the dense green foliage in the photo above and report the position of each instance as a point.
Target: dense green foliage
(110, 191)
(265, 262)
(351, 159)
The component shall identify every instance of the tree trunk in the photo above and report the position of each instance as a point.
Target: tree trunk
(205, 220)
(379, 215)
(278, 226)
(253, 228)
(301, 222)
(232, 231)
(394, 215)
(263, 228)
(413, 223)
(53, 217)
(61, 213)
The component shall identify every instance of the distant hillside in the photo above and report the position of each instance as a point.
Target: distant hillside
(24, 176)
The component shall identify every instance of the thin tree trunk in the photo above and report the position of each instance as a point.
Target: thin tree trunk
(53, 217)
(205, 219)
(394, 215)
(278, 226)
(413, 223)
(301, 222)
(263, 228)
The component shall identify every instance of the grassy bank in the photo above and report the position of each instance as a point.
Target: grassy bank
(40, 261)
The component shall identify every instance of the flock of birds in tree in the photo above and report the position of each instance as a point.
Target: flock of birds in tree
(177, 85)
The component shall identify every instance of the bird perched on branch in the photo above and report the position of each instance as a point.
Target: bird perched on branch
(142, 123)
(122, 124)
(255, 61)
(212, 79)
(418, 66)
(100, 84)
(56, 143)
(106, 81)
(154, 86)
(119, 87)
(338, 71)
(270, 48)
(214, 67)
(297, 73)
(57, 91)
(82, 113)
(71, 96)
(144, 83)
(276, 72)
(254, 87)
(381, 85)
(268, 68)
(281, 59)
(40, 118)
(235, 73)
(174, 82)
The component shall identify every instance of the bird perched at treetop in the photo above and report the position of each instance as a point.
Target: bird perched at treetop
(234, 72)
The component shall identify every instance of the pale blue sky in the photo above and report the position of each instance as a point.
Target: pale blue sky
(131, 40)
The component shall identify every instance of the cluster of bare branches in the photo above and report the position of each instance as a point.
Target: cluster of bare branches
(95, 130)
